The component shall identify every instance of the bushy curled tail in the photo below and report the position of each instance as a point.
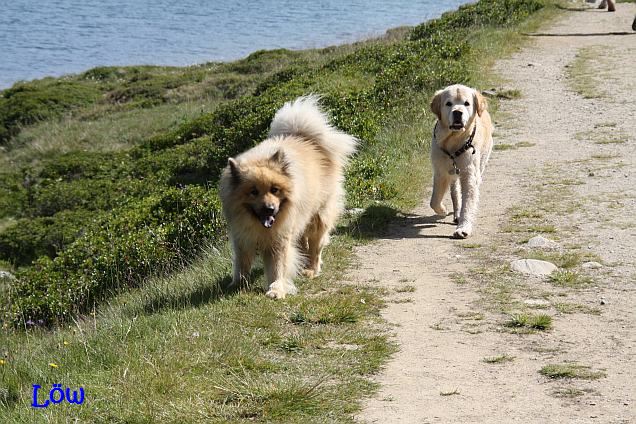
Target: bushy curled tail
(304, 117)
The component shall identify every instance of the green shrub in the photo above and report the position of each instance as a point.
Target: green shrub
(263, 61)
(365, 180)
(28, 239)
(500, 13)
(26, 103)
(76, 165)
(89, 194)
(151, 237)
(12, 194)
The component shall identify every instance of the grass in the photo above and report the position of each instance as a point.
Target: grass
(509, 94)
(498, 359)
(528, 323)
(603, 135)
(178, 339)
(101, 132)
(583, 73)
(506, 146)
(458, 278)
(568, 278)
(568, 392)
(406, 289)
(571, 308)
(570, 371)
(177, 348)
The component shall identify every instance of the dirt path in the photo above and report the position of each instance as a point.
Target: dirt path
(572, 180)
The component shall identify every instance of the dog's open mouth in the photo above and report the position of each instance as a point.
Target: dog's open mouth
(268, 221)
(456, 126)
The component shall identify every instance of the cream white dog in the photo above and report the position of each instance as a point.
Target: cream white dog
(462, 143)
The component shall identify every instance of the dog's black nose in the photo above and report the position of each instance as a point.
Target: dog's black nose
(269, 210)
(457, 115)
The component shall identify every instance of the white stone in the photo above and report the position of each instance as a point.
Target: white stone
(540, 242)
(592, 265)
(533, 267)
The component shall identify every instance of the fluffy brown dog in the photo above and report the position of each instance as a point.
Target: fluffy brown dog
(282, 198)
(462, 143)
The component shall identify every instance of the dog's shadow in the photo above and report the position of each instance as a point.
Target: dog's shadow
(419, 226)
(384, 222)
(202, 294)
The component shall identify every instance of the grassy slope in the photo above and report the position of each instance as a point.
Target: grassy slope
(177, 350)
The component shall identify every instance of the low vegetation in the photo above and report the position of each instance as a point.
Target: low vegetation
(499, 359)
(571, 370)
(529, 322)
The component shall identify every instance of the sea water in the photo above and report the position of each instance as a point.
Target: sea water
(56, 37)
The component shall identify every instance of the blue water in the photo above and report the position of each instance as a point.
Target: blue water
(56, 37)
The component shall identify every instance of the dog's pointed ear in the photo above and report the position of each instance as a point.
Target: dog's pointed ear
(480, 102)
(235, 169)
(280, 159)
(436, 104)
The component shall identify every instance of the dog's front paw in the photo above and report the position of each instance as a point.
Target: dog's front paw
(280, 288)
(309, 273)
(463, 231)
(276, 294)
(439, 210)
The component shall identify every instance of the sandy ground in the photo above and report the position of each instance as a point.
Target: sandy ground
(445, 330)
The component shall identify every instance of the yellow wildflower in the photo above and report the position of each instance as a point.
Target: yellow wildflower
(2, 362)
(53, 365)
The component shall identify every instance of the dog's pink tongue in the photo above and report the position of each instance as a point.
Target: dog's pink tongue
(269, 221)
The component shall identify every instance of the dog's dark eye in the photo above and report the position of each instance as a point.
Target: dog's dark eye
(254, 192)
(466, 104)
(274, 190)
(449, 104)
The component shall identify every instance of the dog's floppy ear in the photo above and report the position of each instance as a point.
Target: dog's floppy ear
(436, 104)
(480, 102)
(279, 158)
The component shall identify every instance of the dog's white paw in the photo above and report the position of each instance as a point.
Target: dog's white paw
(276, 294)
(280, 288)
(463, 231)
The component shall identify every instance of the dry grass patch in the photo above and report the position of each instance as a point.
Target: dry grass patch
(571, 370)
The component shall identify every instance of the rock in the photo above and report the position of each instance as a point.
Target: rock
(540, 242)
(592, 265)
(533, 267)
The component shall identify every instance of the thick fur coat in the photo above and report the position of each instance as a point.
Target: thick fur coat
(283, 197)
(460, 110)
